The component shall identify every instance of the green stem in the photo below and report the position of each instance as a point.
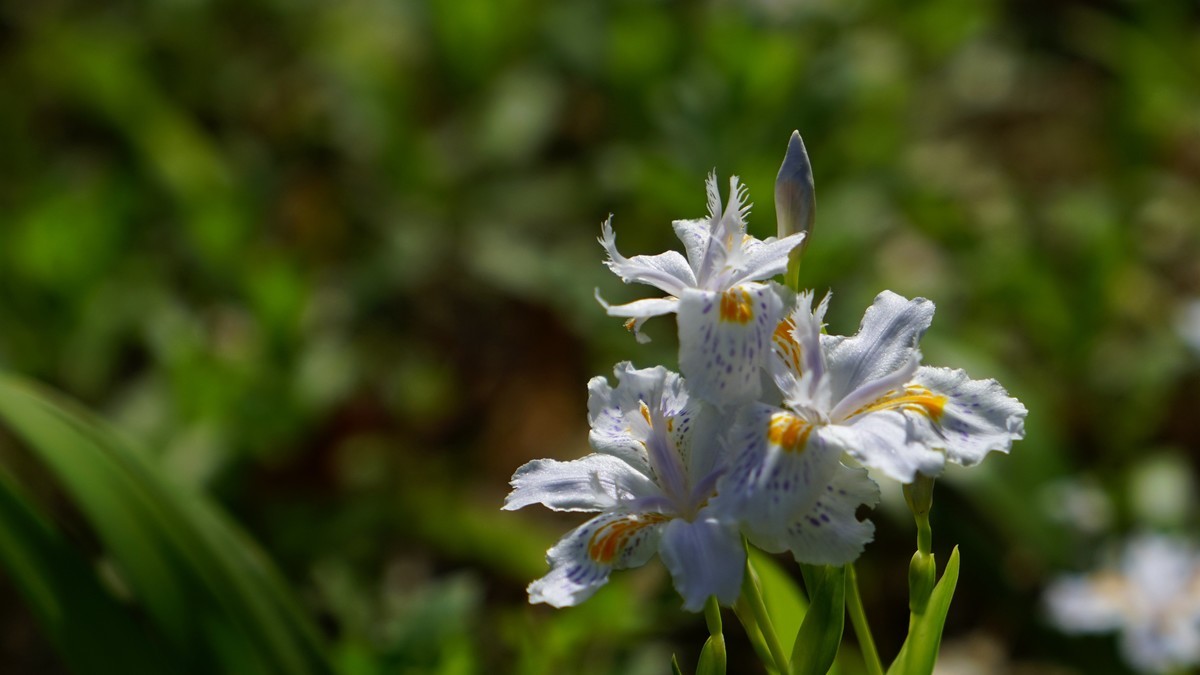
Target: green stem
(753, 594)
(745, 615)
(858, 618)
(712, 615)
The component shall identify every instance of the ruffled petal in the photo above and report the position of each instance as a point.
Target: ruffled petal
(639, 311)
(582, 560)
(829, 533)
(888, 441)
(968, 418)
(885, 342)
(593, 483)
(724, 339)
(781, 471)
(705, 557)
(667, 271)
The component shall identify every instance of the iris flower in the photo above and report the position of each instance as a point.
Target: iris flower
(725, 314)
(652, 479)
(867, 397)
(1152, 598)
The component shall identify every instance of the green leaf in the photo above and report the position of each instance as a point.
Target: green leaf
(782, 595)
(712, 657)
(920, 650)
(78, 616)
(675, 670)
(214, 597)
(820, 634)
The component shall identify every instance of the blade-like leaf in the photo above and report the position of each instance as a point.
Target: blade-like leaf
(920, 650)
(820, 634)
(214, 597)
(79, 617)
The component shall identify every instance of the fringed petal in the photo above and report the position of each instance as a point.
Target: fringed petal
(667, 271)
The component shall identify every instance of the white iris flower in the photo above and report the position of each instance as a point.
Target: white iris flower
(725, 315)
(652, 479)
(1152, 598)
(868, 397)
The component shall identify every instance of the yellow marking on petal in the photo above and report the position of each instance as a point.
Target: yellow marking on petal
(645, 410)
(670, 424)
(786, 344)
(915, 398)
(737, 306)
(630, 324)
(612, 537)
(788, 432)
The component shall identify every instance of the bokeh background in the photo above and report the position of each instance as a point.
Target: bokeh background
(333, 263)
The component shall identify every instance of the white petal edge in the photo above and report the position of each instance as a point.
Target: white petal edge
(593, 483)
(640, 311)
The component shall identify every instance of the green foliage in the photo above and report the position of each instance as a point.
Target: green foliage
(211, 597)
(820, 634)
(920, 650)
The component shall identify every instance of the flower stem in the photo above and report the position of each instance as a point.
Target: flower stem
(753, 594)
(858, 618)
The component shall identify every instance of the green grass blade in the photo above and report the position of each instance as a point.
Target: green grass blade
(79, 617)
(201, 581)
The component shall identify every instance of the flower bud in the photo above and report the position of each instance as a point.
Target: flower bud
(795, 196)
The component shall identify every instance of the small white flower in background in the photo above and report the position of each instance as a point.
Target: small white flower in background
(1187, 323)
(1152, 597)
(725, 315)
(869, 397)
(652, 477)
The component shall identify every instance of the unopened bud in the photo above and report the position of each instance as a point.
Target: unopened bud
(795, 195)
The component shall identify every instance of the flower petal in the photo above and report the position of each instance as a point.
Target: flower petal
(885, 342)
(724, 339)
(781, 471)
(639, 311)
(888, 441)
(829, 533)
(705, 557)
(668, 271)
(976, 416)
(582, 560)
(760, 260)
(594, 483)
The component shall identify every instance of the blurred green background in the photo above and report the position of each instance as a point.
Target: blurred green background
(333, 263)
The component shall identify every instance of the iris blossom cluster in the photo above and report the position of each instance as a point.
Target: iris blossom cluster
(767, 435)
